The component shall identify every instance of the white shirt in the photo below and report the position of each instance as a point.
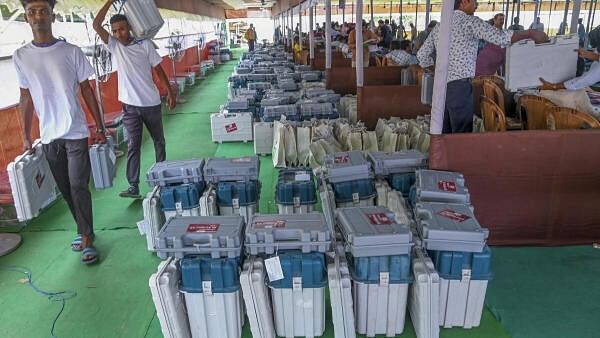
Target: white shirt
(52, 75)
(402, 58)
(588, 78)
(537, 26)
(466, 31)
(134, 65)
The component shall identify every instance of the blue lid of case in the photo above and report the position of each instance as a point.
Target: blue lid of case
(246, 192)
(223, 273)
(186, 194)
(367, 269)
(296, 185)
(310, 267)
(450, 264)
(343, 191)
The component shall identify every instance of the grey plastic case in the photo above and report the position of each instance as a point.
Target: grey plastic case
(218, 236)
(347, 166)
(269, 233)
(220, 169)
(407, 161)
(276, 111)
(373, 231)
(450, 227)
(441, 186)
(103, 162)
(175, 172)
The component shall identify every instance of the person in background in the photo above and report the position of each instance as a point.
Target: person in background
(297, 50)
(491, 57)
(251, 37)
(369, 38)
(589, 78)
(581, 32)
(135, 61)
(401, 54)
(424, 34)
(52, 74)
(537, 25)
(277, 35)
(515, 26)
(394, 27)
(466, 31)
(562, 28)
(413, 32)
(385, 34)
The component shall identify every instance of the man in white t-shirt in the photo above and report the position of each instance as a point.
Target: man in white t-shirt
(135, 59)
(52, 74)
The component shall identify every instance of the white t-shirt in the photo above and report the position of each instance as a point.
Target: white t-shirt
(52, 75)
(134, 65)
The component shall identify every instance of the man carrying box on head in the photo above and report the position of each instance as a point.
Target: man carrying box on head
(135, 60)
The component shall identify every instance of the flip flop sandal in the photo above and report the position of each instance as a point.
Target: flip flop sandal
(76, 243)
(91, 254)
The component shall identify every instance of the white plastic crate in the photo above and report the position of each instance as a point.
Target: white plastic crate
(169, 303)
(187, 212)
(340, 295)
(245, 211)
(294, 209)
(424, 296)
(144, 18)
(299, 312)
(208, 202)
(231, 127)
(263, 138)
(461, 302)
(256, 298)
(380, 308)
(154, 218)
(103, 162)
(31, 182)
(215, 315)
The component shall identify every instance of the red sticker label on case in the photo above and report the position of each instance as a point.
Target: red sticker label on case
(203, 228)
(269, 224)
(447, 186)
(230, 128)
(341, 159)
(453, 215)
(379, 219)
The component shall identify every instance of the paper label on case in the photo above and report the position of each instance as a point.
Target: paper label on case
(379, 219)
(453, 215)
(230, 128)
(203, 228)
(448, 186)
(273, 267)
(280, 223)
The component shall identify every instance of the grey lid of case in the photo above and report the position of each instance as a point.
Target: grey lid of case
(441, 186)
(219, 169)
(309, 109)
(173, 172)
(373, 231)
(285, 109)
(305, 232)
(450, 227)
(218, 236)
(386, 163)
(347, 166)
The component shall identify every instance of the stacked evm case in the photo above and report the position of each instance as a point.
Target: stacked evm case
(287, 261)
(351, 179)
(295, 192)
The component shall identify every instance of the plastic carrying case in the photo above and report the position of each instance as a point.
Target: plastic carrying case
(218, 169)
(175, 172)
(295, 189)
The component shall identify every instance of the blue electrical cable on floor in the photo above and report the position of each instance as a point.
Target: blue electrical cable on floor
(60, 296)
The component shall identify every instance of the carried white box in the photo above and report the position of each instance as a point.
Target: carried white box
(231, 127)
(340, 296)
(31, 182)
(424, 296)
(299, 312)
(169, 303)
(555, 61)
(154, 218)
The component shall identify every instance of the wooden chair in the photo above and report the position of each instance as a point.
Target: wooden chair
(492, 89)
(567, 118)
(417, 73)
(378, 62)
(493, 116)
(536, 108)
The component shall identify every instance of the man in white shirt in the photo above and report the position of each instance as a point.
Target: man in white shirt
(135, 60)
(52, 74)
(466, 31)
(401, 54)
(537, 25)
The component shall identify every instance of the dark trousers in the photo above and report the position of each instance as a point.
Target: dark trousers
(69, 162)
(250, 45)
(458, 115)
(134, 118)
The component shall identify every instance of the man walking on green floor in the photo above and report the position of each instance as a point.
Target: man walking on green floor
(135, 60)
(51, 74)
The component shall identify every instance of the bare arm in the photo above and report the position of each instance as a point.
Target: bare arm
(90, 100)
(535, 35)
(26, 109)
(171, 97)
(99, 19)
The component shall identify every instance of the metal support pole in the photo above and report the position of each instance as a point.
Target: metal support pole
(327, 34)
(549, 17)
(401, 19)
(441, 69)
(427, 10)
(359, 44)
(512, 13)
(311, 33)
(390, 12)
(566, 13)
(372, 20)
(593, 15)
(575, 16)
(519, 9)
(506, 14)
(300, 28)
(417, 15)
(352, 11)
(293, 29)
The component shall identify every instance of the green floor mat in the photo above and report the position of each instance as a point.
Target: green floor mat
(546, 292)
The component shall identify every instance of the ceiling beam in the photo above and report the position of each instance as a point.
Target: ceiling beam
(213, 9)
